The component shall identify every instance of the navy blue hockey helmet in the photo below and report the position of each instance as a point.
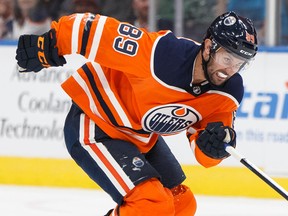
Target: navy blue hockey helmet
(235, 33)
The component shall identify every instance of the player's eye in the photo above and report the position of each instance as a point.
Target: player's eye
(227, 61)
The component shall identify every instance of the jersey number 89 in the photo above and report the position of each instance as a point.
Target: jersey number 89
(126, 42)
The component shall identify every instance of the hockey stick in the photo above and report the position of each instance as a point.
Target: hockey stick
(257, 171)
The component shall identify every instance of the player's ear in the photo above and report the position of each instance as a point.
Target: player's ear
(207, 49)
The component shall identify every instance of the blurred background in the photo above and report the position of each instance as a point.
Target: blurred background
(189, 18)
(34, 106)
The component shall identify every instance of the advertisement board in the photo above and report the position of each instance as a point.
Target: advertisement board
(262, 119)
(33, 109)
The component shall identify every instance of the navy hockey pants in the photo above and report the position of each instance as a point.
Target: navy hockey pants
(117, 166)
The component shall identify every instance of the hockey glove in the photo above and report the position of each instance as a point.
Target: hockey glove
(214, 138)
(37, 52)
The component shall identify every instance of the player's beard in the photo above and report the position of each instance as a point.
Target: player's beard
(216, 76)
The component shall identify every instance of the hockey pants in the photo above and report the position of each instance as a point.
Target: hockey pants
(141, 184)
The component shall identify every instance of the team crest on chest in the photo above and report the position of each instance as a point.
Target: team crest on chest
(169, 119)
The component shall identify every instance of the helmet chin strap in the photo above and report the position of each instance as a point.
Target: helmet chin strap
(204, 67)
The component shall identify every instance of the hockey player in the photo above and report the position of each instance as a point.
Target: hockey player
(138, 86)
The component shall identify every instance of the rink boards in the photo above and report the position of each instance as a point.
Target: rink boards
(227, 181)
(32, 150)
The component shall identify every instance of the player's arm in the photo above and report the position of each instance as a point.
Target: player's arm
(107, 41)
(98, 38)
(209, 137)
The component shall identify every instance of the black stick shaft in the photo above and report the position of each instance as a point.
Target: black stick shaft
(281, 191)
(257, 171)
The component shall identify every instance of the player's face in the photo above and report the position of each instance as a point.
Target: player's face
(222, 66)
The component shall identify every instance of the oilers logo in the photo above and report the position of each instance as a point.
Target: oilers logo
(137, 162)
(169, 119)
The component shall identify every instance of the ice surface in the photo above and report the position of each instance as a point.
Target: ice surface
(43, 201)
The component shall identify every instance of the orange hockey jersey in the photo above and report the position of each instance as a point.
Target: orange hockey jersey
(138, 85)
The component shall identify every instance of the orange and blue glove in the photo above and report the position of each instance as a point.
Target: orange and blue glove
(37, 52)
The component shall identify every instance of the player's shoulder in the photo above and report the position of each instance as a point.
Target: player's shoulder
(234, 87)
(170, 40)
(173, 60)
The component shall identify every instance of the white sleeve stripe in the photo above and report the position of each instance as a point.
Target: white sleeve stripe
(75, 33)
(85, 88)
(191, 130)
(111, 95)
(97, 37)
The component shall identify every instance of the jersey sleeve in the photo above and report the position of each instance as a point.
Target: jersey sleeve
(107, 41)
(193, 132)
